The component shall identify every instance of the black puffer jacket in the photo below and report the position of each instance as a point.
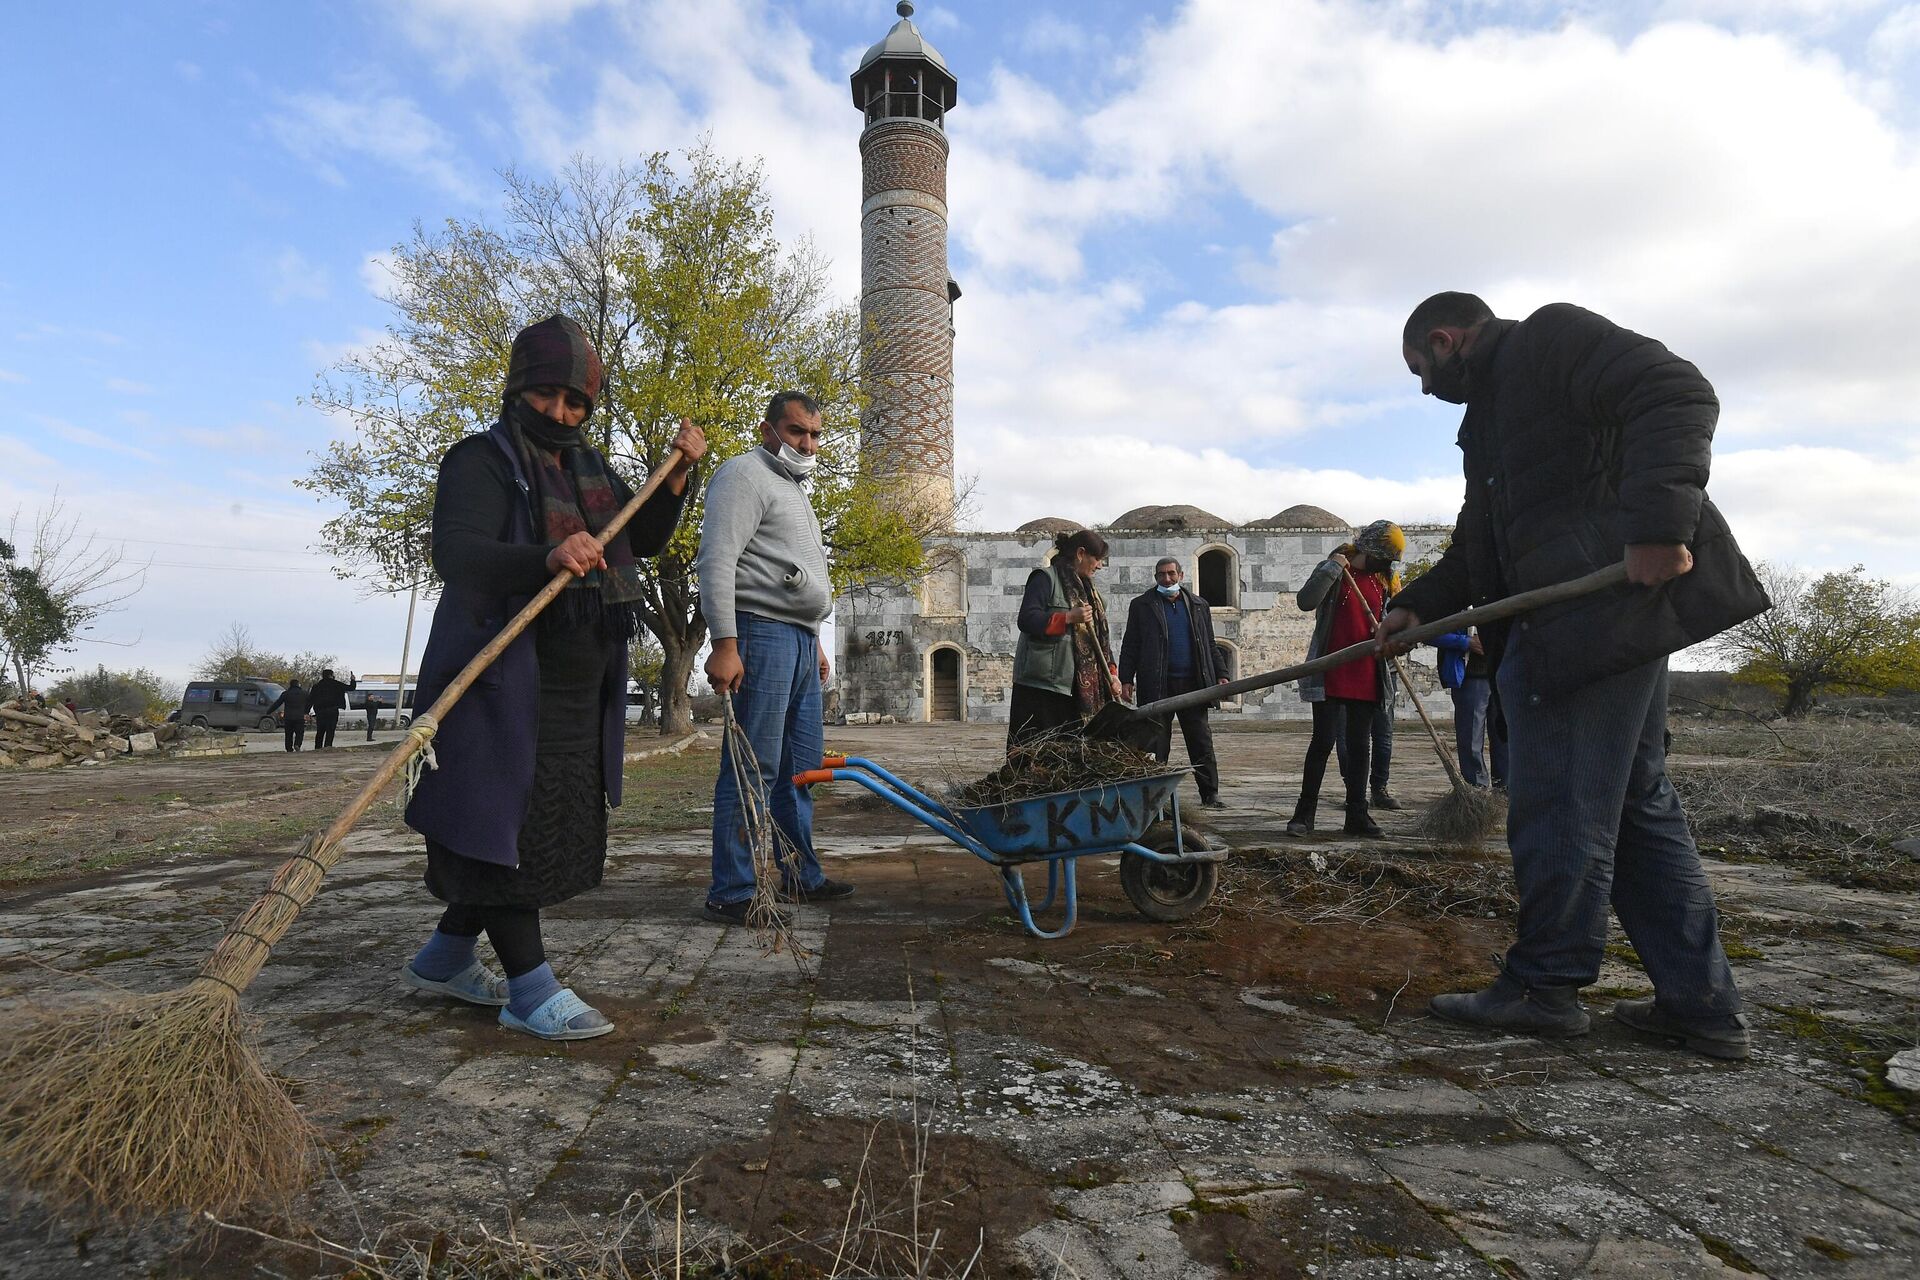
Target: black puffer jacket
(1579, 438)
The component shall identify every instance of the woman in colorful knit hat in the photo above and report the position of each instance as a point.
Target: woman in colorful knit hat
(530, 759)
(1344, 698)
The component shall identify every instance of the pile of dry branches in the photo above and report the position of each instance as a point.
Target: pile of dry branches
(1061, 761)
(1312, 887)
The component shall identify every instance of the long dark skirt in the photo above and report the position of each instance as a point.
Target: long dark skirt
(563, 842)
(1034, 713)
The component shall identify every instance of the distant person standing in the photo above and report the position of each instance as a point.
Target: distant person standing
(373, 714)
(1463, 674)
(328, 700)
(1169, 649)
(292, 703)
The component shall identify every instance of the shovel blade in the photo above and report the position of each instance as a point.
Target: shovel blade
(1117, 722)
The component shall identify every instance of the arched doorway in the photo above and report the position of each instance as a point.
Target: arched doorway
(943, 700)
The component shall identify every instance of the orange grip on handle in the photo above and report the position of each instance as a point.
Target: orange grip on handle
(833, 762)
(812, 776)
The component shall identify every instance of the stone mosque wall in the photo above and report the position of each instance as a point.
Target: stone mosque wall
(890, 642)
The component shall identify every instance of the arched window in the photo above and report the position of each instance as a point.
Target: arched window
(1217, 578)
(946, 684)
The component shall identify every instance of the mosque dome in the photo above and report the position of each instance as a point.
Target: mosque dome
(1179, 516)
(1051, 525)
(1303, 516)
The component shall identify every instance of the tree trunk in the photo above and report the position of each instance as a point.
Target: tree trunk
(1799, 699)
(676, 706)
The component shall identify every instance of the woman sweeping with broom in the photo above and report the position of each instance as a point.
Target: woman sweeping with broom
(515, 815)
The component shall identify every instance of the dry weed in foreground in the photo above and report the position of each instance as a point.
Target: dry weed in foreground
(1063, 760)
(1826, 794)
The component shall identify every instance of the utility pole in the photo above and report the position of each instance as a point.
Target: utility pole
(406, 652)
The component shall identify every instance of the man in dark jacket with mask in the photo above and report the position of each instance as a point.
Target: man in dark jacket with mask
(1585, 444)
(1169, 649)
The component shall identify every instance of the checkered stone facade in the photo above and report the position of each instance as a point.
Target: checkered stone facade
(907, 366)
(886, 636)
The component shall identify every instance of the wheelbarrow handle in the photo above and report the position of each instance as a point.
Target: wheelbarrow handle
(1612, 576)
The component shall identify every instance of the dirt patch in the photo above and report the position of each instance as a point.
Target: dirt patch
(1323, 1223)
(836, 1186)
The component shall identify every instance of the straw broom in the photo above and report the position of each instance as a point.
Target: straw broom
(1466, 815)
(139, 1105)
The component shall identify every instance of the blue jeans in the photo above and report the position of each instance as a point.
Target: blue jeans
(778, 705)
(1592, 818)
(1471, 702)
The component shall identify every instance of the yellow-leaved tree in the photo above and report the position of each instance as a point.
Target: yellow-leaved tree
(697, 310)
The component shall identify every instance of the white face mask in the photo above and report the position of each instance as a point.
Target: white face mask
(799, 465)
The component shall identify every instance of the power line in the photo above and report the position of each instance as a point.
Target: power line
(237, 568)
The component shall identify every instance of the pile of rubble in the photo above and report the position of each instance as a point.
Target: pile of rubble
(38, 734)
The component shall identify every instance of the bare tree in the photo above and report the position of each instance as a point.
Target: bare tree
(84, 577)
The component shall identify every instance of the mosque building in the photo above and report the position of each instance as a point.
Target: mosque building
(941, 648)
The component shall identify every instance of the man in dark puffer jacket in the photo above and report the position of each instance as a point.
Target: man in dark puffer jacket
(1585, 443)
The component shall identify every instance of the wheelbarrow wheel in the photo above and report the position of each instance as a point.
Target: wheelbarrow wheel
(1168, 893)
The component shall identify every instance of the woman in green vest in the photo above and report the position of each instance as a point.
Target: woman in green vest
(1063, 668)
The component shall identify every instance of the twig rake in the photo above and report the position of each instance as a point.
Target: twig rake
(138, 1105)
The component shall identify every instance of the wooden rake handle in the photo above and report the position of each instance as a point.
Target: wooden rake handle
(242, 951)
(1446, 759)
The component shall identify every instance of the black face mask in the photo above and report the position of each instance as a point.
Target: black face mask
(541, 430)
(1447, 379)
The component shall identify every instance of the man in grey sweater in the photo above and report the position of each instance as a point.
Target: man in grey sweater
(764, 591)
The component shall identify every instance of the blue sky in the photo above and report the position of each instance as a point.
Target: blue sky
(1187, 233)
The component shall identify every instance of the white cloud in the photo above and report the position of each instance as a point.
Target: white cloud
(1896, 41)
(1093, 478)
(290, 276)
(88, 438)
(8, 375)
(242, 437)
(325, 129)
(128, 387)
(1823, 507)
(188, 71)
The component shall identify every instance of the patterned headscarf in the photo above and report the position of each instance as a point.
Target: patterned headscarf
(576, 493)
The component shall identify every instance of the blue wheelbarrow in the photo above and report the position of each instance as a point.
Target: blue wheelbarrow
(1168, 871)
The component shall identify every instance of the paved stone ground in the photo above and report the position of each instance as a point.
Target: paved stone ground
(1252, 1093)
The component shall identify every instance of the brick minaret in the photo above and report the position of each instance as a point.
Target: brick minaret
(906, 296)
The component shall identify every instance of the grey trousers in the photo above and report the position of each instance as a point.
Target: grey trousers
(1593, 819)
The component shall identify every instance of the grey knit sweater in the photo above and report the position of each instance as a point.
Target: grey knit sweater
(760, 548)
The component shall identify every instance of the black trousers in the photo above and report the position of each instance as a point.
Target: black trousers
(296, 731)
(324, 723)
(1335, 719)
(513, 931)
(370, 720)
(1198, 735)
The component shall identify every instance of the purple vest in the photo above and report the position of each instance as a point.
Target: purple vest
(476, 800)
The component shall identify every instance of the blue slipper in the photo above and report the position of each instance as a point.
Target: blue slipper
(476, 984)
(565, 1016)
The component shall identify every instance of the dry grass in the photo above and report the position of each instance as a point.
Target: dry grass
(131, 1107)
(1464, 818)
(1827, 795)
(1360, 888)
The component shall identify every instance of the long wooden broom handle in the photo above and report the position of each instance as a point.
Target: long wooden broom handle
(1453, 770)
(404, 751)
(239, 955)
(1613, 575)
